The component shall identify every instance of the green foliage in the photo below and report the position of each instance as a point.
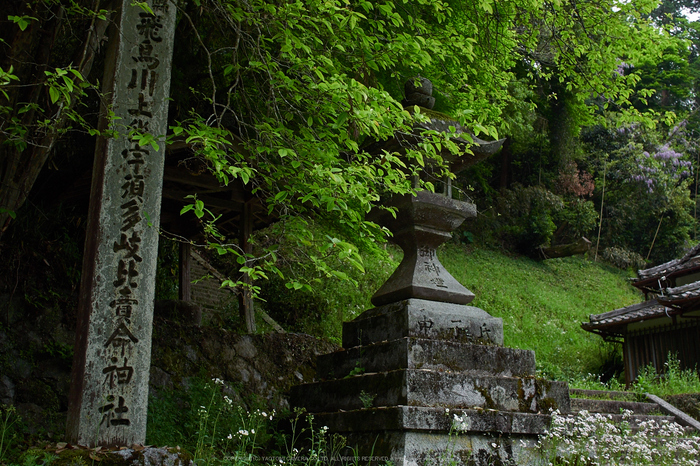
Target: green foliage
(212, 422)
(594, 382)
(578, 216)
(21, 21)
(8, 419)
(623, 259)
(646, 175)
(668, 76)
(220, 430)
(292, 95)
(526, 217)
(671, 381)
(320, 292)
(367, 399)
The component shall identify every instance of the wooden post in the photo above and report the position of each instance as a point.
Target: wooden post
(245, 298)
(185, 289)
(108, 397)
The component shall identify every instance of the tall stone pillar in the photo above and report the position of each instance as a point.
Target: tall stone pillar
(109, 386)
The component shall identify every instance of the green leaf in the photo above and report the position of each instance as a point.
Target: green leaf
(54, 94)
(11, 213)
(22, 21)
(244, 176)
(144, 6)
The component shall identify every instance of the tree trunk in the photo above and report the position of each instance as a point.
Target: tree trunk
(563, 250)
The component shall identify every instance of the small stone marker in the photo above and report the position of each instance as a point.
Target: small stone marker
(109, 386)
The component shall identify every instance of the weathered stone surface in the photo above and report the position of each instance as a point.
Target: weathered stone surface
(611, 406)
(109, 383)
(409, 387)
(687, 402)
(422, 223)
(7, 390)
(409, 435)
(155, 457)
(680, 417)
(432, 419)
(423, 319)
(410, 448)
(421, 353)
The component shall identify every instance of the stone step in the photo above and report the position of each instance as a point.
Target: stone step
(421, 418)
(419, 353)
(613, 406)
(411, 435)
(635, 420)
(606, 395)
(432, 389)
(612, 402)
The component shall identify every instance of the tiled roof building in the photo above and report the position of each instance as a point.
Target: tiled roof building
(667, 322)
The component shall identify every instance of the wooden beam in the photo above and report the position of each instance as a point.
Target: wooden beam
(185, 291)
(245, 298)
(205, 180)
(209, 201)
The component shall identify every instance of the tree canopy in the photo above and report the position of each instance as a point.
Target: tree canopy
(285, 96)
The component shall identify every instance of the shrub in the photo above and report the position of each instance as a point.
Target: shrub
(576, 219)
(672, 380)
(623, 258)
(526, 216)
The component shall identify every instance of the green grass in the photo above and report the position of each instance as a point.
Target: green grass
(542, 303)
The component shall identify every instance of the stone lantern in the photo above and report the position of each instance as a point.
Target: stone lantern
(424, 364)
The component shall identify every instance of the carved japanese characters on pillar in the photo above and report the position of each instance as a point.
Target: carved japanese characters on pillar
(427, 256)
(109, 386)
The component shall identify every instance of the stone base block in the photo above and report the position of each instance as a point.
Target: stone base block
(418, 353)
(427, 419)
(432, 389)
(416, 436)
(420, 318)
(424, 448)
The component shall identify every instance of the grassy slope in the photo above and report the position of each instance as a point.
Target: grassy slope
(542, 303)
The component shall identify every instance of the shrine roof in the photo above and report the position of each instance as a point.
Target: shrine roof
(690, 262)
(674, 301)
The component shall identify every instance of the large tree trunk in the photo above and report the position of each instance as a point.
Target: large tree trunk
(31, 125)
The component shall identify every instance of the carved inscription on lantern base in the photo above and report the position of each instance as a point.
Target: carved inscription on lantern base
(424, 319)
